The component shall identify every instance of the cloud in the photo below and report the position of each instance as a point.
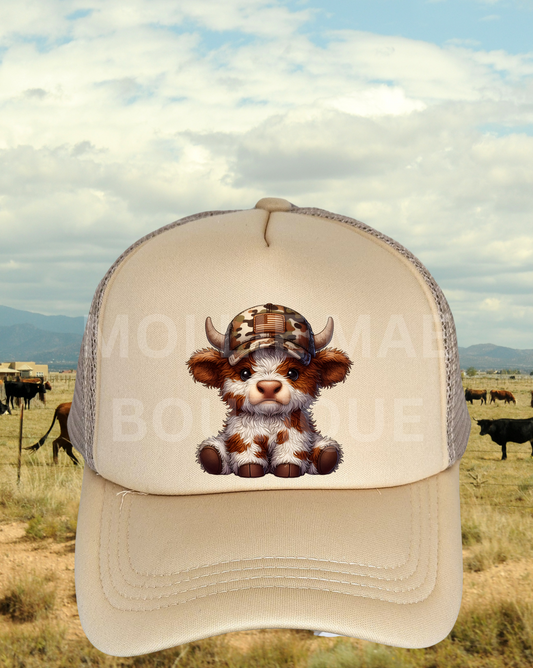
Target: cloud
(117, 122)
(490, 304)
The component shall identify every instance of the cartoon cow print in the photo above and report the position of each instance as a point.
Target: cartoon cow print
(269, 369)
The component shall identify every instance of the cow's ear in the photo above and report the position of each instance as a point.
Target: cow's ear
(207, 366)
(334, 366)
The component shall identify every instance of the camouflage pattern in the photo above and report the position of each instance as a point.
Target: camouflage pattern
(269, 326)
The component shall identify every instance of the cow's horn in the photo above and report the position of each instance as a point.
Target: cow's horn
(324, 337)
(214, 337)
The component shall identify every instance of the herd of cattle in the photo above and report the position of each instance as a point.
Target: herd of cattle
(501, 431)
(502, 395)
(26, 389)
(504, 430)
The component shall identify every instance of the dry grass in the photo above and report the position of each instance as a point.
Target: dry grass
(46, 491)
(346, 654)
(493, 537)
(494, 629)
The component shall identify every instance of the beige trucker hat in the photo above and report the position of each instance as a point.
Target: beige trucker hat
(232, 485)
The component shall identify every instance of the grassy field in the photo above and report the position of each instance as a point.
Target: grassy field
(38, 617)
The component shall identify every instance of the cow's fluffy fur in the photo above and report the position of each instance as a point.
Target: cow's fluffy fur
(269, 433)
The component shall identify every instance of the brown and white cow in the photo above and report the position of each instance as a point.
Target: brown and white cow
(269, 427)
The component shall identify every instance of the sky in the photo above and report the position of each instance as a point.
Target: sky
(415, 117)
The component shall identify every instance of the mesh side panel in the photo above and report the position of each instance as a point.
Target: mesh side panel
(81, 422)
(457, 417)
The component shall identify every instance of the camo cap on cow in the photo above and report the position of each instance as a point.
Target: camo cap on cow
(269, 326)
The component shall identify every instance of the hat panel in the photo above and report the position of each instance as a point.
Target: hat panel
(389, 415)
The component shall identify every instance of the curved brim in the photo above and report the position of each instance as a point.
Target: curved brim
(154, 572)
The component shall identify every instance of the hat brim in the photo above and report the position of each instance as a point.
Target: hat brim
(293, 349)
(155, 571)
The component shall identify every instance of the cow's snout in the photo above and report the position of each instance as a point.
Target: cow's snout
(269, 388)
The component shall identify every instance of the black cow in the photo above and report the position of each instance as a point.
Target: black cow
(506, 429)
(4, 408)
(26, 391)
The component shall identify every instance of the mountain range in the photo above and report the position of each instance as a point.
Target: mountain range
(490, 356)
(45, 339)
(25, 343)
(49, 323)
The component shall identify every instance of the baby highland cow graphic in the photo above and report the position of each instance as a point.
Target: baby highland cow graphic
(269, 369)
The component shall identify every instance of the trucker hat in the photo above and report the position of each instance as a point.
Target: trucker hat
(293, 466)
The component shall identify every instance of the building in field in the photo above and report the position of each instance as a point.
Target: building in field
(9, 370)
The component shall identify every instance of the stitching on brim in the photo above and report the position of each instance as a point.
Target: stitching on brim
(265, 568)
(236, 589)
(325, 561)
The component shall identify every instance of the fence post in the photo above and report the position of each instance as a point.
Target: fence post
(19, 464)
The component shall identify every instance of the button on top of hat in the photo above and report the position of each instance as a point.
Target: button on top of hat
(273, 204)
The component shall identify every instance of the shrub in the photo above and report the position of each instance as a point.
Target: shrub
(345, 654)
(58, 528)
(471, 533)
(28, 598)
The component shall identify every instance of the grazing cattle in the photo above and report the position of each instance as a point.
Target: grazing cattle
(531, 398)
(4, 408)
(269, 370)
(63, 440)
(502, 395)
(20, 390)
(46, 387)
(470, 395)
(507, 430)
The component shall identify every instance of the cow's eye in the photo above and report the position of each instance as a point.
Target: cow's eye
(293, 374)
(245, 374)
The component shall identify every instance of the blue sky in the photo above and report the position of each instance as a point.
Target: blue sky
(414, 117)
(488, 25)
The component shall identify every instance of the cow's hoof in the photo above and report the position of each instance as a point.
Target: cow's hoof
(287, 471)
(327, 460)
(211, 460)
(251, 471)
